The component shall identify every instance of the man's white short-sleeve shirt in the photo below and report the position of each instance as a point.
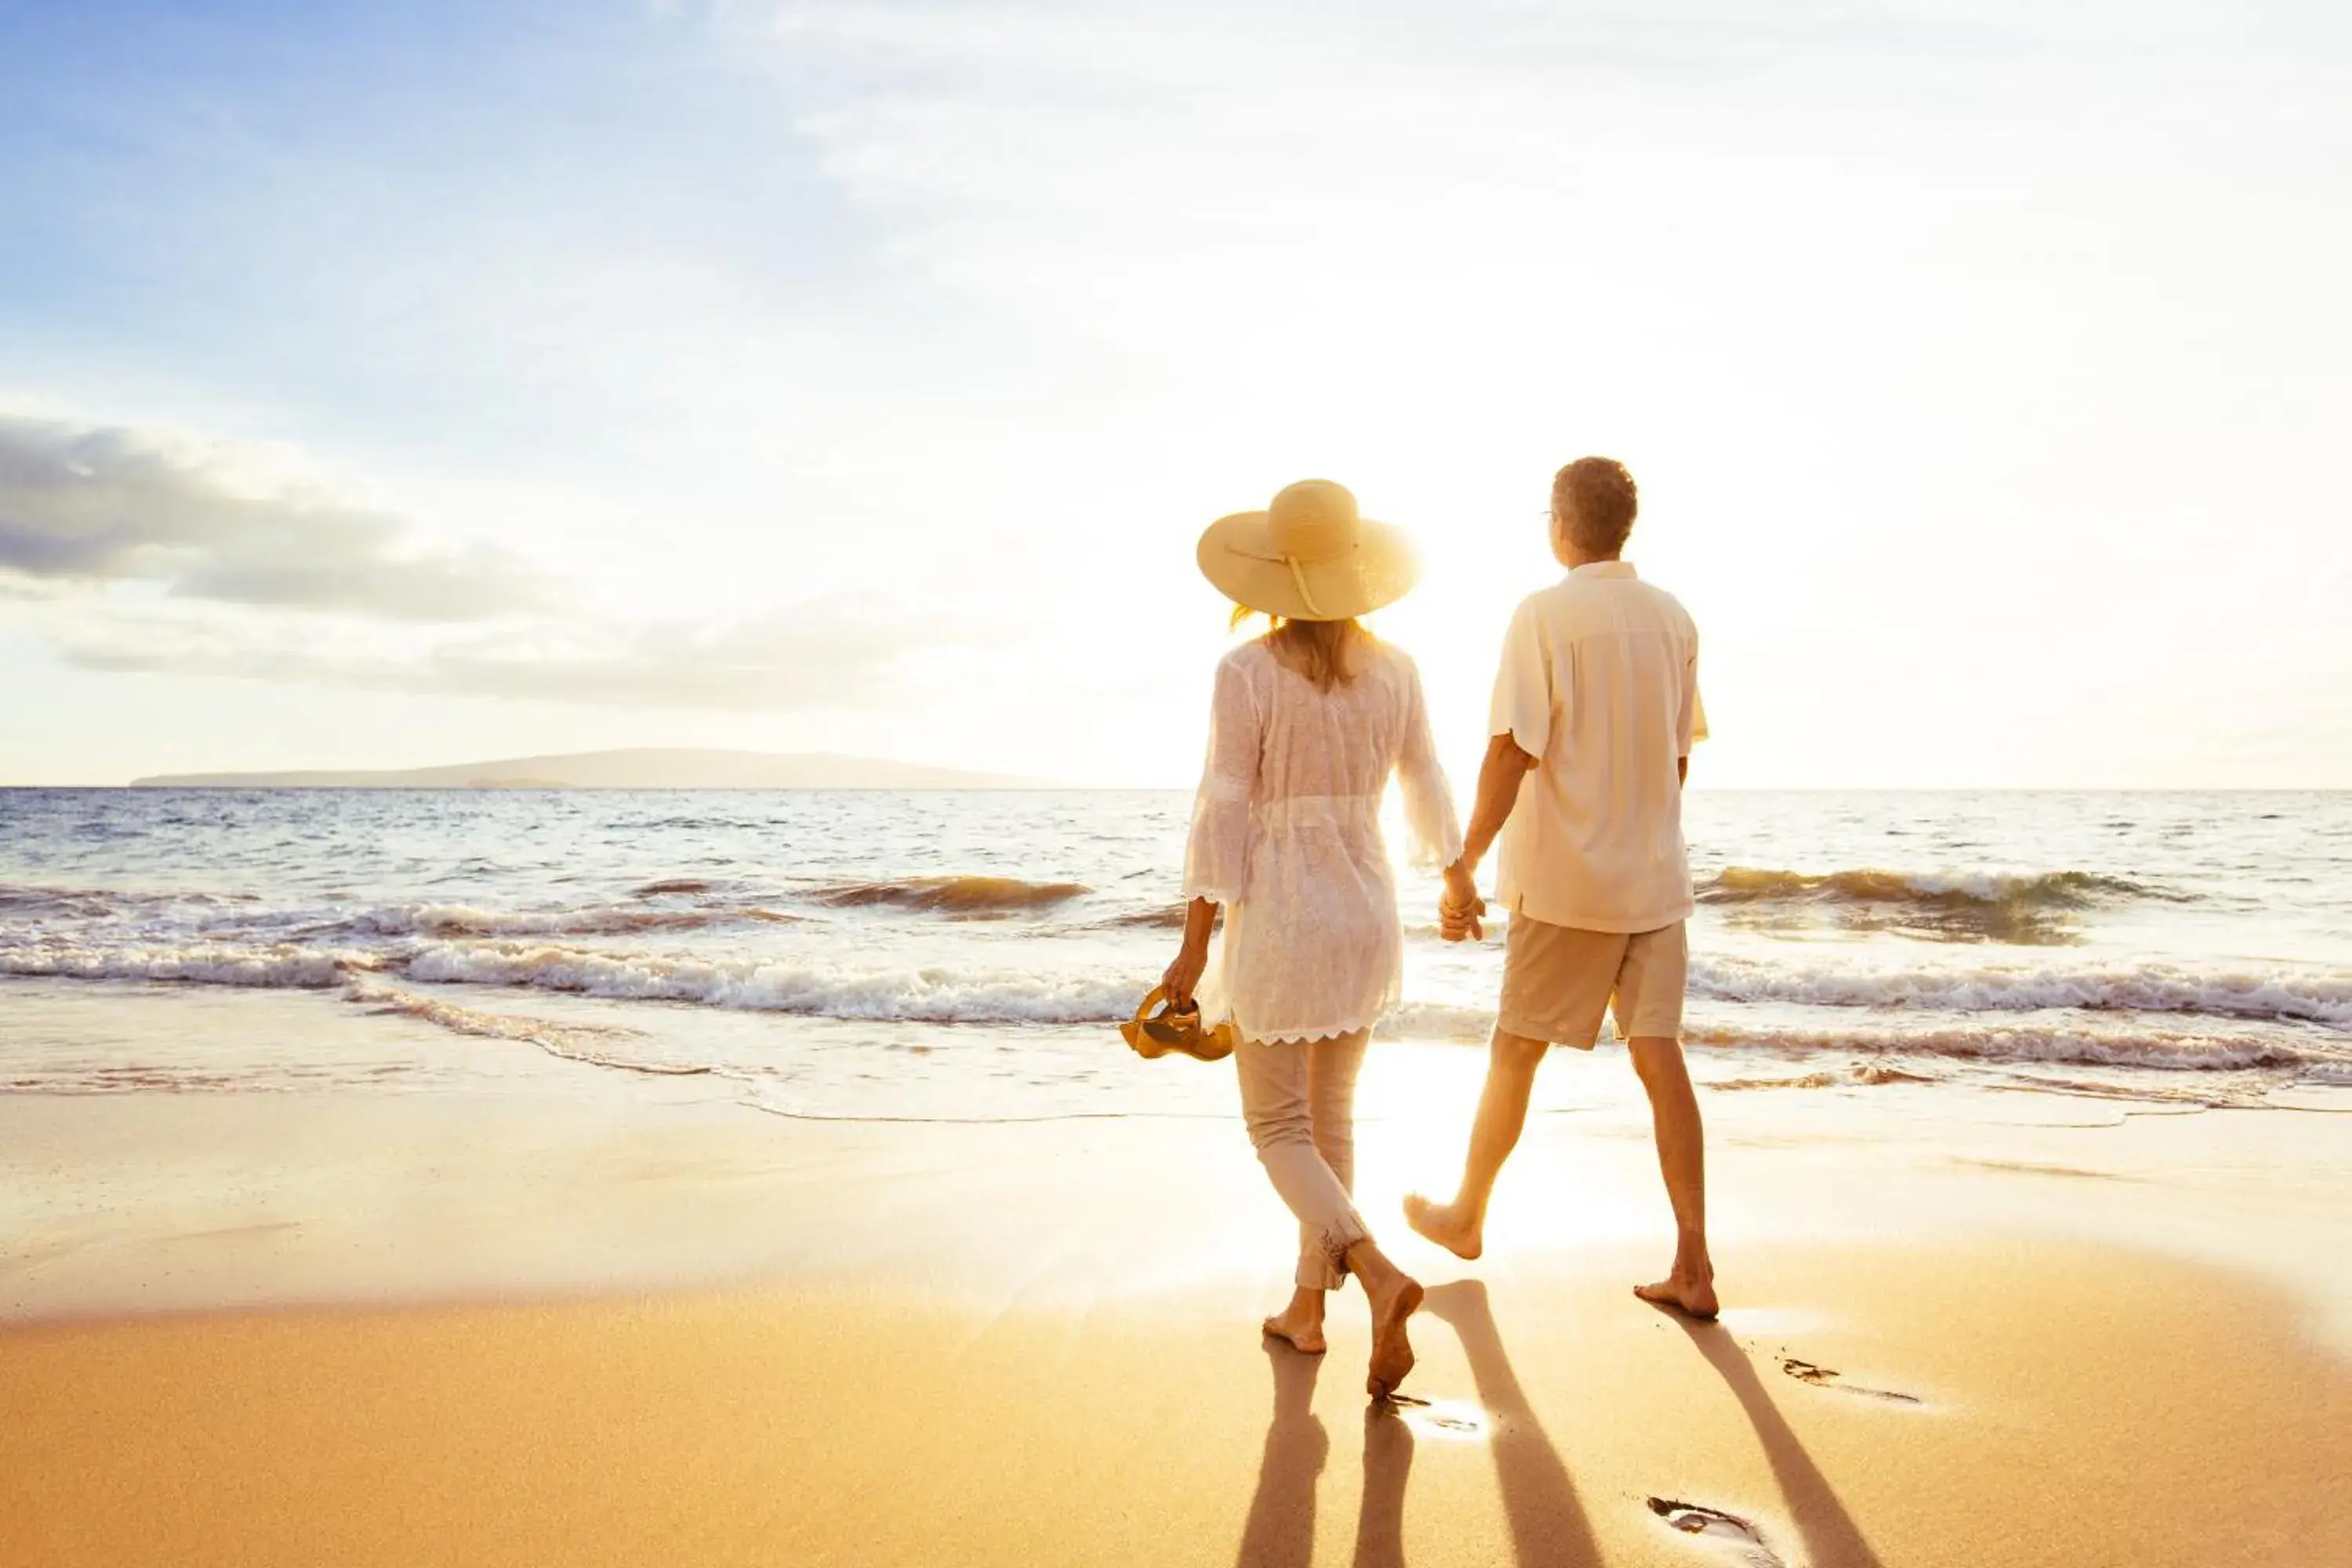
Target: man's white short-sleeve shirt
(1599, 685)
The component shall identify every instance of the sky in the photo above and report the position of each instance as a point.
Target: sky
(389, 386)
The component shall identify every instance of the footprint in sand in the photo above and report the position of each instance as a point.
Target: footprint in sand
(1829, 1377)
(1452, 1419)
(1714, 1524)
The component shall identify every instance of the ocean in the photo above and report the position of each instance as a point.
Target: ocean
(964, 955)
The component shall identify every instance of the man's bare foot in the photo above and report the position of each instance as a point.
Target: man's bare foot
(1392, 1349)
(1442, 1223)
(1300, 1330)
(1695, 1297)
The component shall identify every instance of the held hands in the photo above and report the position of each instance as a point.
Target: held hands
(1460, 906)
(1185, 974)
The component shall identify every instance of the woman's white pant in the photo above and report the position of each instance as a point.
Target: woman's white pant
(1299, 1098)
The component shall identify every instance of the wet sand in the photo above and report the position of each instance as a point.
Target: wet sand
(2072, 1406)
(555, 1321)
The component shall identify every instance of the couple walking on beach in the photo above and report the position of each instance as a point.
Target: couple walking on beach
(1595, 708)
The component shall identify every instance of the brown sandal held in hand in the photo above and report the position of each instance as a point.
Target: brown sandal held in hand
(1172, 1029)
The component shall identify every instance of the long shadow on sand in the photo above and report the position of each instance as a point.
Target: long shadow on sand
(1388, 1460)
(1280, 1531)
(1832, 1537)
(1548, 1524)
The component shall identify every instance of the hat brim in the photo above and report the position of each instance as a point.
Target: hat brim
(1238, 557)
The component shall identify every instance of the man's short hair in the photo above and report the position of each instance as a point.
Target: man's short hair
(1597, 497)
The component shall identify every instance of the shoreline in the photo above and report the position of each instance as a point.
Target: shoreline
(422, 1163)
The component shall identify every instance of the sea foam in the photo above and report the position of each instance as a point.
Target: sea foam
(902, 994)
(939, 994)
(2279, 994)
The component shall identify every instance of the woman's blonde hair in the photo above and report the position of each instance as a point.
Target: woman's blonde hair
(1322, 651)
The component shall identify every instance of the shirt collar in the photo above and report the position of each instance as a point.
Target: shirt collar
(1605, 568)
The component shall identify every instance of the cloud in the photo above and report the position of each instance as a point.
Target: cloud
(825, 653)
(140, 551)
(828, 653)
(95, 504)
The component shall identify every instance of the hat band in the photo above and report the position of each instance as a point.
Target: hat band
(1297, 576)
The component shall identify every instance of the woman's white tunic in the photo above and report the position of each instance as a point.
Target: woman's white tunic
(1286, 837)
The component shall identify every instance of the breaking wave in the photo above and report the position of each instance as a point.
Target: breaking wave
(934, 995)
(787, 985)
(2046, 890)
(1165, 917)
(2036, 910)
(615, 919)
(2165, 1050)
(2270, 996)
(2124, 1044)
(952, 895)
(2210, 1017)
(275, 968)
(771, 986)
(2273, 996)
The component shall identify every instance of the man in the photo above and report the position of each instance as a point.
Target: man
(1595, 710)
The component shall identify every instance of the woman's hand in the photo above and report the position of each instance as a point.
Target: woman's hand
(1185, 974)
(1200, 916)
(1460, 906)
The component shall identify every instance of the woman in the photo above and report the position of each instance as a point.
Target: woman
(1308, 725)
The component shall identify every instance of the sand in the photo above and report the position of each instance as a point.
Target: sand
(558, 1320)
(2054, 1425)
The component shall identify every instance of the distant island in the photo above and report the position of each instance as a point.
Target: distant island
(654, 767)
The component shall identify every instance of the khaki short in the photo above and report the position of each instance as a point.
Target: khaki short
(1558, 982)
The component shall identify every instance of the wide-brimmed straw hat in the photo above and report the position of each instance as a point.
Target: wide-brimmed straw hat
(1309, 556)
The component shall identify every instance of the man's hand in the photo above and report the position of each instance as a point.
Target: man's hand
(1459, 907)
